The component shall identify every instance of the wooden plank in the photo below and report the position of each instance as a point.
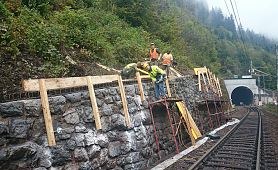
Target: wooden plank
(176, 72)
(124, 102)
(46, 113)
(193, 124)
(219, 87)
(69, 82)
(168, 88)
(108, 68)
(95, 111)
(140, 86)
(200, 70)
(199, 82)
(205, 83)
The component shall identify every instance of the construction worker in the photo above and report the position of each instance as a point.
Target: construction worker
(158, 77)
(167, 60)
(129, 70)
(154, 54)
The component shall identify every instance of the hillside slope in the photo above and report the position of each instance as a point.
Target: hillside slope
(37, 36)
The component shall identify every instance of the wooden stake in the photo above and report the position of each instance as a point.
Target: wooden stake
(140, 86)
(95, 112)
(199, 81)
(122, 90)
(46, 113)
(168, 87)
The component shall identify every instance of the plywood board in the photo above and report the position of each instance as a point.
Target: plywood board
(46, 113)
(185, 118)
(124, 102)
(69, 82)
(95, 111)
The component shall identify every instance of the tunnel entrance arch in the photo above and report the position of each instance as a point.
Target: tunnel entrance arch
(242, 96)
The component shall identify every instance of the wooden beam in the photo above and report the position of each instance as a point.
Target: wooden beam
(168, 88)
(124, 102)
(200, 70)
(199, 82)
(108, 68)
(95, 111)
(219, 87)
(140, 86)
(69, 82)
(205, 83)
(176, 72)
(46, 113)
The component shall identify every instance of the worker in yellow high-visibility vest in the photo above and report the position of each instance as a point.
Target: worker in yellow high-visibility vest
(158, 76)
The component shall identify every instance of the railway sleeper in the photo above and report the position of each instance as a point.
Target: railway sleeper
(234, 156)
(240, 145)
(231, 165)
(233, 153)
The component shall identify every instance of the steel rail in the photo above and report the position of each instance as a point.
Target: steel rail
(258, 161)
(206, 155)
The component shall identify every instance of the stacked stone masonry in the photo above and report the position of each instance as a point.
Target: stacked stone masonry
(23, 140)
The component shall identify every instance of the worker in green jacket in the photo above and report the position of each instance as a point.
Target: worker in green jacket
(129, 70)
(158, 76)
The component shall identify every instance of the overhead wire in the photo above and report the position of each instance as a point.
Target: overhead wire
(239, 25)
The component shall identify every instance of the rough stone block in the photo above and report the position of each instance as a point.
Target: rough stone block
(99, 102)
(79, 139)
(22, 152)
(93, 151)
(11, 109)
(33, 107)
(113, 91)
(90, 138)
(85, 166)
(102, 140)
(87, 114)
(118, 121)
(108, 100)
(71, 116)
(106, 123)
(135, 166)
(81, 155)
(3, 128)
(57, 104)
(106, 110)
(73, 97)
(20, 128)
(70, 144)
(60, 156)
(80, 129)
(114, 149)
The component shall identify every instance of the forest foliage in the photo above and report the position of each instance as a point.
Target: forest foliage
(117, 32)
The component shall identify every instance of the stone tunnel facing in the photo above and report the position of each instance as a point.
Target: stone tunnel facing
(242, 96)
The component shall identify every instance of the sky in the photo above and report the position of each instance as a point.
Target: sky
(258, 15)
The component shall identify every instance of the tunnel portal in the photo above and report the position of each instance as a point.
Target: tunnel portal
(242, 96)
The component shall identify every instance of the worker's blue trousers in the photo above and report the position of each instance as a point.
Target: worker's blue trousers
(159, 89)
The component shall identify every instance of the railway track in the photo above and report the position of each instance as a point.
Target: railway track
(246, 146)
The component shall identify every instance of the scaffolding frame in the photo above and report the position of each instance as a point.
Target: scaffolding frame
(166, 102)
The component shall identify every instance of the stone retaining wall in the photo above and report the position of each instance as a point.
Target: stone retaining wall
(23, 140)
